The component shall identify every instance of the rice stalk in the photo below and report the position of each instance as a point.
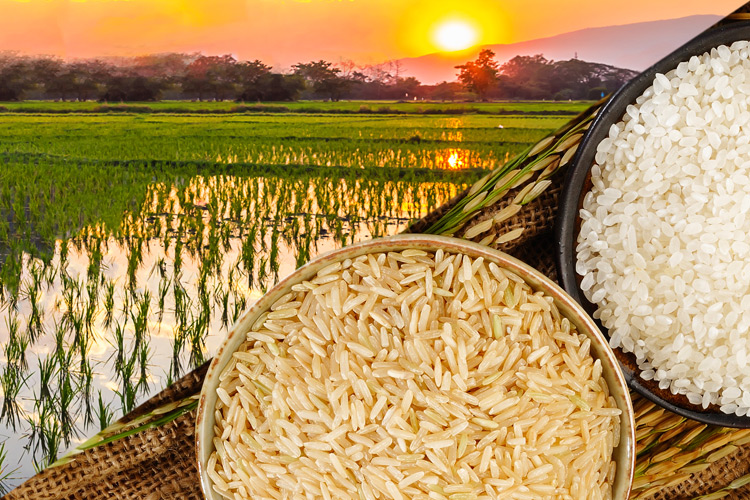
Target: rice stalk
(670, 447)
(122, 429)
(738, 483)
(6, 473)
(531, 169)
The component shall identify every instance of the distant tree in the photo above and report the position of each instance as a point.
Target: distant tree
(480, 75)
(169, 67)
(211, 77)
(525, 67)
(252, 77)
(444, 91)
(525, 77)
(80, 81)
(535, 77)
(190, 76)
(316, 71)
(323, 78)
(379, 73)
(278, 87)
(133, 87)
(16, 76)
(407, 88)
(46, 69)
(582, 76)
(358, 77)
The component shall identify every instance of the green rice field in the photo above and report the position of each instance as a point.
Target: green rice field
(131, 241)
(359, 107)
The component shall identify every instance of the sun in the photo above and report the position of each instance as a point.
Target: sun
(455, 35)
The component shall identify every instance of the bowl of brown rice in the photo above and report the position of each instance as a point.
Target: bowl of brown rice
(415, 367)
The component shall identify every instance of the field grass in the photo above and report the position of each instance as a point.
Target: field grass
(331, 140)
(129, 243)
(416, 107)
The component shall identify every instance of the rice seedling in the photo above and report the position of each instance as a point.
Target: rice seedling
(85, 388)
(104, 413)
(161, 296)
(15, 348)
(34, 324)
(144, 354)
(139, 314)
(66, 397)
(109, 303)
(46, 370)
(222, 297)
(45, 436)
(183, 327)
(12, 381)
(6, 473)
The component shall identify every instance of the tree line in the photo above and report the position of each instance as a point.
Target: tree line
(535, 77)
(201, 77)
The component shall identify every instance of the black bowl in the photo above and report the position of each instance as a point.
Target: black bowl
(578, 183)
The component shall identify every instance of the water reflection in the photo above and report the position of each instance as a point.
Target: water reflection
(150, 275)
(454, 159)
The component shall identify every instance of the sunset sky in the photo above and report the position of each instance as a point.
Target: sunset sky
(282, 32)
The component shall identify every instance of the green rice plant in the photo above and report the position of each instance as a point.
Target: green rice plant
(6, 473)
(135, 259)
(34, 326)
(95, 262)
(12, 381)
(222, 297)
(18, 342)
(85, 389)
(45, 436)
(109, 303)
(47, 368)
(67, 388)
(183, 326)
(104, 413)
(161, 296)
(139, 314)
(144, 354)
(273, 256)
(240, 304)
